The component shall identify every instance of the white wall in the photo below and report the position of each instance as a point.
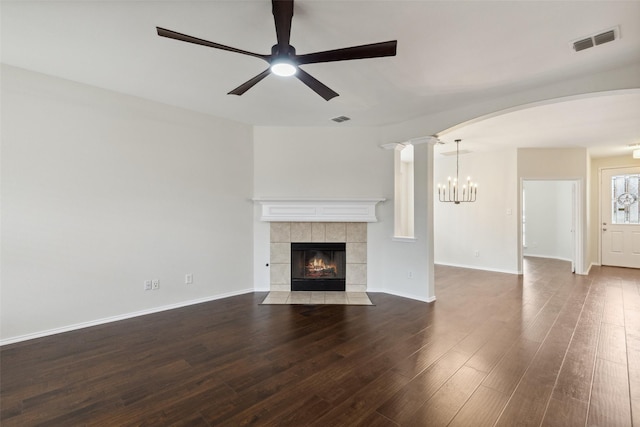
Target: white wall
(489, 225)
(548, 211)
(101, 191)
(346, 163)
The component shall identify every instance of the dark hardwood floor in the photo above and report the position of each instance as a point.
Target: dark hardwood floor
(550, 348)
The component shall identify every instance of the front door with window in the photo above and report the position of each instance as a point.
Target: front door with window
(620, 212)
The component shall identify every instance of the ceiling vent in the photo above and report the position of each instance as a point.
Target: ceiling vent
(341, 119)
(606, 37)
(596, 39)
(583, 44)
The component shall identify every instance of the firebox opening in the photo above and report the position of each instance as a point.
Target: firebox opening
(318, 266)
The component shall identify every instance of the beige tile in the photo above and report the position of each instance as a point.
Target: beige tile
(358, 298)
(336, 232)
(317, 297)
(301, 232)
(356, 274)
(357, 295)
(280, 232)
(299, 297)
(279, 295)
(281, 274)
(335, 298)
(357, 232)
(356, 253)
(280, 288)
(356, 288)
(307, 297)
(275, 302)
(318, 231)
(276, 298)
(280, 253)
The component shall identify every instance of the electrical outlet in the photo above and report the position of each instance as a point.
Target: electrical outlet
(188, 279)
(477, 254)
(155, 284)
(410, 274)
(147, 285)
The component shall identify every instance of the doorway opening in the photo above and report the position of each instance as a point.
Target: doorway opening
(549, 221)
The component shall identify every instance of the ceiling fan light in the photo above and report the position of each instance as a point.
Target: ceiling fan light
(283, 68)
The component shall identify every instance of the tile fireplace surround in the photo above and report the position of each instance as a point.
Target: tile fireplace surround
(302, 220)
(354, 234)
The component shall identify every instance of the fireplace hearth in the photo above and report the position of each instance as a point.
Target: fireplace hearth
(318, 266)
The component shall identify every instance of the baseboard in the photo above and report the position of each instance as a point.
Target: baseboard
(548, 257)
(477, 267)
(125, 316)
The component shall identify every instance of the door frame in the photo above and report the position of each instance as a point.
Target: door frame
(577, 220)
(599, 228)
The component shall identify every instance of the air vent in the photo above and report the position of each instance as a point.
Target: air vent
(341, 119)
(582, 44)
(596, 39)
(609, 36)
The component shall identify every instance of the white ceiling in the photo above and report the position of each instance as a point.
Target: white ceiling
(605, 124)
(450, 54)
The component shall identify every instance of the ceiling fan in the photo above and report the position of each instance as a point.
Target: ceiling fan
(283, 59)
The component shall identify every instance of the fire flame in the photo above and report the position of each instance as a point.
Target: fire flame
(319, 267)
(317, 264)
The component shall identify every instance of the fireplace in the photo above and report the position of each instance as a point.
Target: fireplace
(353, 235)
(318, 266)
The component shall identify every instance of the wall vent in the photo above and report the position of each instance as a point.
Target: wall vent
(602, 37)
(341, 119)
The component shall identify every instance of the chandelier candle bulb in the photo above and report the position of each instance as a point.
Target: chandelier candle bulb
(453, 195)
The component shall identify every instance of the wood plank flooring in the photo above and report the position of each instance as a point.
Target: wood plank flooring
(547, 349)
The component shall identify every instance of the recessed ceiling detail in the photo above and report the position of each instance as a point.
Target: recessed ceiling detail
(597, 39)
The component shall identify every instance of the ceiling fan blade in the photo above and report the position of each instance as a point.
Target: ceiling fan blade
(163, 32)
(373, 50)
(250, 83)
(282, 15)
(316, 85)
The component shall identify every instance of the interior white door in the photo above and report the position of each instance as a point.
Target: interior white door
(620, 213)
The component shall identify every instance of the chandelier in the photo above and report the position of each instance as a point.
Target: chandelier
(450, 192)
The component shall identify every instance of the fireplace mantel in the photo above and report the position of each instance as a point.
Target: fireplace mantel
(318, 210)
